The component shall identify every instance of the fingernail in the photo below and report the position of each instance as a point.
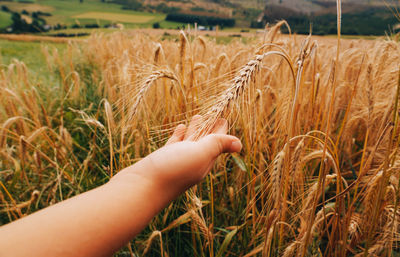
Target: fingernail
(196, 117)
(180, 126)
(236, 146)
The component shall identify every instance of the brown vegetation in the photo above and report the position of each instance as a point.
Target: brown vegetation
(320, 168)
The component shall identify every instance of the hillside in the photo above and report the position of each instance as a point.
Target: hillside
(359, 17)
(325, 6)
(370, 17)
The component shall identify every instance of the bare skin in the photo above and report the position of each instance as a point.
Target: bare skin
(100, 221)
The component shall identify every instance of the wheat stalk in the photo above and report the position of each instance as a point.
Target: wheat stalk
(133, 107)
(202, 226)
(231, 94)
(157, 53)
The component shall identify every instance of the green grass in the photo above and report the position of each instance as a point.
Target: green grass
(64, 11)
(80, 30)
(171, 24)
(5, 19)
(115, 17)
(30, 53)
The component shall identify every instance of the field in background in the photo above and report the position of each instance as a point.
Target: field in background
(30, 7)
(30, 53)
(91, 14)
(292, 100)
(115, 17)
(73, 12)
(5, 19)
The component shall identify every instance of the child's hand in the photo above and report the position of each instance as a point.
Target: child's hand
(99, 222)
(182, 163)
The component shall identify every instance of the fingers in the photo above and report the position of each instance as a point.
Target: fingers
(193, 126)
(220, 127)
(216, 144)
(183, 133)
(178, 135)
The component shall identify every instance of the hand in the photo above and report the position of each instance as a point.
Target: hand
(100, 221)
(182, 162)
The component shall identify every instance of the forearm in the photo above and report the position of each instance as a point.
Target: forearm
(96, 223)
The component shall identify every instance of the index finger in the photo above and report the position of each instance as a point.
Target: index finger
(220, 127)
(193, 127)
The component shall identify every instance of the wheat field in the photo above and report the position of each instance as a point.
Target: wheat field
(319, 172)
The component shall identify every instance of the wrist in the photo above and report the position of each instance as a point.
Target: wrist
(137, 180)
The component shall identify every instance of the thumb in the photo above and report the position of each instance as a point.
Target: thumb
(216, 144)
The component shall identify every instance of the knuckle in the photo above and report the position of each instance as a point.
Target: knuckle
(218, 144)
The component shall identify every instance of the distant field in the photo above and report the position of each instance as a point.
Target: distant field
(31, 54)
(5, 19)
(30, 7)
(90, 11)
(116, 17)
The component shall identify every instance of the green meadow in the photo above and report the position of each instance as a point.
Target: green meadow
(87, 12)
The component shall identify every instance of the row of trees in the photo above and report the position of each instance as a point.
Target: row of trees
(25, 21)
(373, 21)
(137, 5)
(201, 20)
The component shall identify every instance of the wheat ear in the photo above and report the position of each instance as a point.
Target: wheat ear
(145, 87)
(231, 94)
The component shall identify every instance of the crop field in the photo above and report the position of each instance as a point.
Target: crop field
(30, 7)
(5, 19)
(319, 172)
(89, 11)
